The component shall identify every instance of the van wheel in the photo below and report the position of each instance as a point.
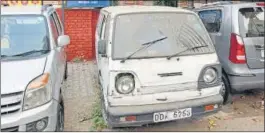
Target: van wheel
(104, 113)
(60, 116)
(226, 90)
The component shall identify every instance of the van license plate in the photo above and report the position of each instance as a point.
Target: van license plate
(172, 115)
(262, 53)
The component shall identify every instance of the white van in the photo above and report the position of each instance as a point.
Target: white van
(155, 64)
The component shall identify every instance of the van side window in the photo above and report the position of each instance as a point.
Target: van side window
(99, 24)
(211, 19)
(103, 27)
(54, 29)
(107, 26)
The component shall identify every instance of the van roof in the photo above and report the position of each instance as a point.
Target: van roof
(115, 10)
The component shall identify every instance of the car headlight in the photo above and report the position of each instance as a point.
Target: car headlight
(125, 84)
(210, 75)
(37, 93)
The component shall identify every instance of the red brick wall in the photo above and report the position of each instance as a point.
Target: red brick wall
(80, 25)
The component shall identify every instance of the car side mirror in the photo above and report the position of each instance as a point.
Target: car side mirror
(63, 40)
(102, 47)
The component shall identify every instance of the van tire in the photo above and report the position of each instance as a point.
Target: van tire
(104, 113)
(227, 95)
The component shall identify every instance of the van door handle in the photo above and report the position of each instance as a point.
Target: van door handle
(161, 99)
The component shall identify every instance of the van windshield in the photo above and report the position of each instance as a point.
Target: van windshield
(22, 34)
(180, 30)
(251, 22)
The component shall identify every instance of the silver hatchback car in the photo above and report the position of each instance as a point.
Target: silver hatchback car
(237, 31)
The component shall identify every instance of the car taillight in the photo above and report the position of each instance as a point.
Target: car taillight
(237, 49)
(260, 4)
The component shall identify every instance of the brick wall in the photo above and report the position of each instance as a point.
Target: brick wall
(80, 25)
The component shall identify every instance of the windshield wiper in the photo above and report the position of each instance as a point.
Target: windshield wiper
(31, 52)
(148, 44)
(3, 56)
(169, 57)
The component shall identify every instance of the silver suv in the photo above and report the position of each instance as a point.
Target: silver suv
(237, 30)
(33, 67)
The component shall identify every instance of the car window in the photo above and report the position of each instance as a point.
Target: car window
(211, 19)
(251, 21)
(58, 23)
(54, 29)
(23, 33)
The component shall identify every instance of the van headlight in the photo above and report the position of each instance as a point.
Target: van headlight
(125, 84)
(37, 93)
(210, 75)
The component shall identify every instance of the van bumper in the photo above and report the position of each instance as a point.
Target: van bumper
(144, 113)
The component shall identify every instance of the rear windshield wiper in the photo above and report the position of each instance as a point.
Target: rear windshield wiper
(31, 52)
(148, 44)
(169, 57)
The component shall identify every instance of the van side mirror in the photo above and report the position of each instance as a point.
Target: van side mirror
(63, 40)
(102, 47)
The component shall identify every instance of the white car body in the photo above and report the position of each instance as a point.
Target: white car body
(16, 74)
(152, 93)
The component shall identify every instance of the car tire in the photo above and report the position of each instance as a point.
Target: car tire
(65, 72)
(226, 93)
(60, 116)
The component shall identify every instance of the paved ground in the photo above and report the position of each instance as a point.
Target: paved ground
(79, 96)
(245, 114)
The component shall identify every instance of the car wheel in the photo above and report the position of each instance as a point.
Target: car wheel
(65, 72)
(226, 91)
(60, 117)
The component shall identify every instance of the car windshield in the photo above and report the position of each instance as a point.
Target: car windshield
(180, 30)
(251, 21)
(22, 34)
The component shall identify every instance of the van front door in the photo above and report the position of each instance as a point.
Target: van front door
(102, 61)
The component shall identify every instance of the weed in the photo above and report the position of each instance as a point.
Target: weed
(77, 59)
(98, 123)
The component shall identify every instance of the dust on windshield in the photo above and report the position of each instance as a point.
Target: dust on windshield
(251, 21)
(23, 33)
(180, 30)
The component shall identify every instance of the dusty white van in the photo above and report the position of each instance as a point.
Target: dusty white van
(155, 64)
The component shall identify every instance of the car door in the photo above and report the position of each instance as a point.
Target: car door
(60, 50)
(57, 59)
(212, 19)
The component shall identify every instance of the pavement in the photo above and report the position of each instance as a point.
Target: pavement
(79, 91)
